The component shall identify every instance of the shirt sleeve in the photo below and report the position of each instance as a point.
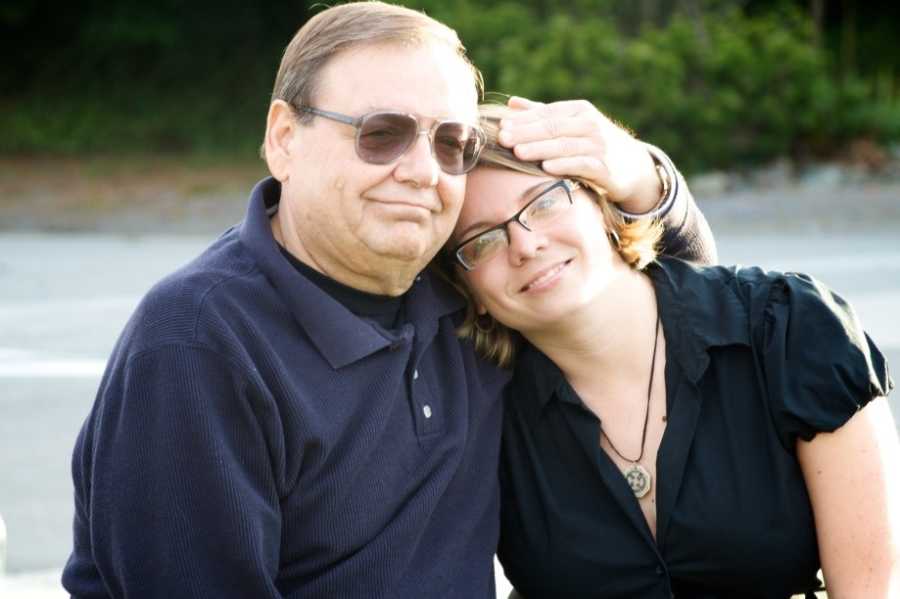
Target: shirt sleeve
(686, 234)
(178, 495)
(819, 364)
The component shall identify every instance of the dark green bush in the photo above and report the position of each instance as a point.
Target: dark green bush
(717, 90)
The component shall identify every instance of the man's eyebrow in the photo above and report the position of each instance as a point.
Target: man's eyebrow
(467, 232)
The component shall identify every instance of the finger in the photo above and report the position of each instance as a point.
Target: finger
(520, 103)
(586, 167)
(551, 128)
(562, 108)
(561, 147)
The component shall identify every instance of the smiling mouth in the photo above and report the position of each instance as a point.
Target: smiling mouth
(545, 279)
(406, 205)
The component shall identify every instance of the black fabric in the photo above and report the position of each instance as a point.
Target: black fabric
(384, 310)
(754, 361)
(686, 233)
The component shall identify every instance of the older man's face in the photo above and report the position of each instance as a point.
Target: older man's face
(360, 216)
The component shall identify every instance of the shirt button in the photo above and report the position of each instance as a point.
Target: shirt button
(418, 278)
(415, 374)
(427, 411)
(659, 570)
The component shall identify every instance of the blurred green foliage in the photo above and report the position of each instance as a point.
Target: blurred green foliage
(716, 89)
(713, 82)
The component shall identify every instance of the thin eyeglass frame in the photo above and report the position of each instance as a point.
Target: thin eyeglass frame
(567, 184)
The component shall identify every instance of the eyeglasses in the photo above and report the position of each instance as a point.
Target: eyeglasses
(539, 211)
(382, 137)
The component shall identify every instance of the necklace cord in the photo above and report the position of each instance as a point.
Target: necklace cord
(649, 390)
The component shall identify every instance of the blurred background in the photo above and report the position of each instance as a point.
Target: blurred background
(129, 135)
(718, 83)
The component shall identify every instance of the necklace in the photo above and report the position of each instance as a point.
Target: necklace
(637, 476)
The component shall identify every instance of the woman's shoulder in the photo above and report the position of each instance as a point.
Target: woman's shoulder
(683, 273)
(754, 286)
(820, 366)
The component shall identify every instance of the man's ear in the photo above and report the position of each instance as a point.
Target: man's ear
(281, 127)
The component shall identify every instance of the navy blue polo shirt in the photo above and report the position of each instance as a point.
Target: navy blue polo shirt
(252, 437)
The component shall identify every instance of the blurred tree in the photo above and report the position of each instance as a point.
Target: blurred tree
(729, 79)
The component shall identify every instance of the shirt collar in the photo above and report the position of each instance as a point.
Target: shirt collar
(699, 309)
(339, 335)
(537, 376)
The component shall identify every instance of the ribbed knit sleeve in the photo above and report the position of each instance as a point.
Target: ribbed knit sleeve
(183, 497)
(687, 234)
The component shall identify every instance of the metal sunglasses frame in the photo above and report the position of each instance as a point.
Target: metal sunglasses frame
(357, 123)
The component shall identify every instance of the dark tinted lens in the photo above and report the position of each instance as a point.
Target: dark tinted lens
(456, 147)
(384, 136)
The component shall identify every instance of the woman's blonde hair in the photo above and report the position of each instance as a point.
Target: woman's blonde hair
(634, 240)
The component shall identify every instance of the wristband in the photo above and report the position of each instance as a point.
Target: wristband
(668, 177)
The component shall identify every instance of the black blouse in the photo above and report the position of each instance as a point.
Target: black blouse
(754, 361)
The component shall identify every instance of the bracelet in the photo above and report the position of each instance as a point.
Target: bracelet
(668, 178)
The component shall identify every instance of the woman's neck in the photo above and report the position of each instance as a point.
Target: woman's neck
(608, 340)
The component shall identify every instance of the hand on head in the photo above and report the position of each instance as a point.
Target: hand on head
(573, 138)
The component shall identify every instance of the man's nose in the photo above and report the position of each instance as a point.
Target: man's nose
(418, 165)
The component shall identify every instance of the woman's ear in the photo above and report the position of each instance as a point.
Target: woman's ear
(480, 309)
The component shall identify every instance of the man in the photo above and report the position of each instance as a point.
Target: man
(292, 414)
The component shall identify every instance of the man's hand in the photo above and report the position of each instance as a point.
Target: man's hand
(573, 138)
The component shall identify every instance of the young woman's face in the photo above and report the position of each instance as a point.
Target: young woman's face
(544, 274)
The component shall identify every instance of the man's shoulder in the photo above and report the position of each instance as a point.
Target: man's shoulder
(204, 293)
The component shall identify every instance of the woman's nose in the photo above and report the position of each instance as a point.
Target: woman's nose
(523, 244)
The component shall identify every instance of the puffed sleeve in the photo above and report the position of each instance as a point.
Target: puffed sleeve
(820, 367)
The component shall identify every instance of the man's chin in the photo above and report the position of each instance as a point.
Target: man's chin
(405, 244)
(396, 265)
(414, 254)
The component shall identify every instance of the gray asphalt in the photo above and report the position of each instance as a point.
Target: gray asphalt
(64, 298)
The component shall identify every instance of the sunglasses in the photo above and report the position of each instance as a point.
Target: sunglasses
(382, 137)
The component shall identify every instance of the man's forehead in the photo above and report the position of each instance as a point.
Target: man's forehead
(429, 80)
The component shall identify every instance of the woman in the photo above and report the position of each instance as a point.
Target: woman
(671, 430)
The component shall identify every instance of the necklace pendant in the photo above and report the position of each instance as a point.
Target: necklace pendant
(638, 479)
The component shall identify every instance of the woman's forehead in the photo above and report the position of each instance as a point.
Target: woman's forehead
(494, 188)
(494, 194)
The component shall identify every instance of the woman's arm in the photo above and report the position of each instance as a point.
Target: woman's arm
(853, 477)
(573, 138)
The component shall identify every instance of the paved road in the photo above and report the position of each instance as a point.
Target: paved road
(63, 299)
